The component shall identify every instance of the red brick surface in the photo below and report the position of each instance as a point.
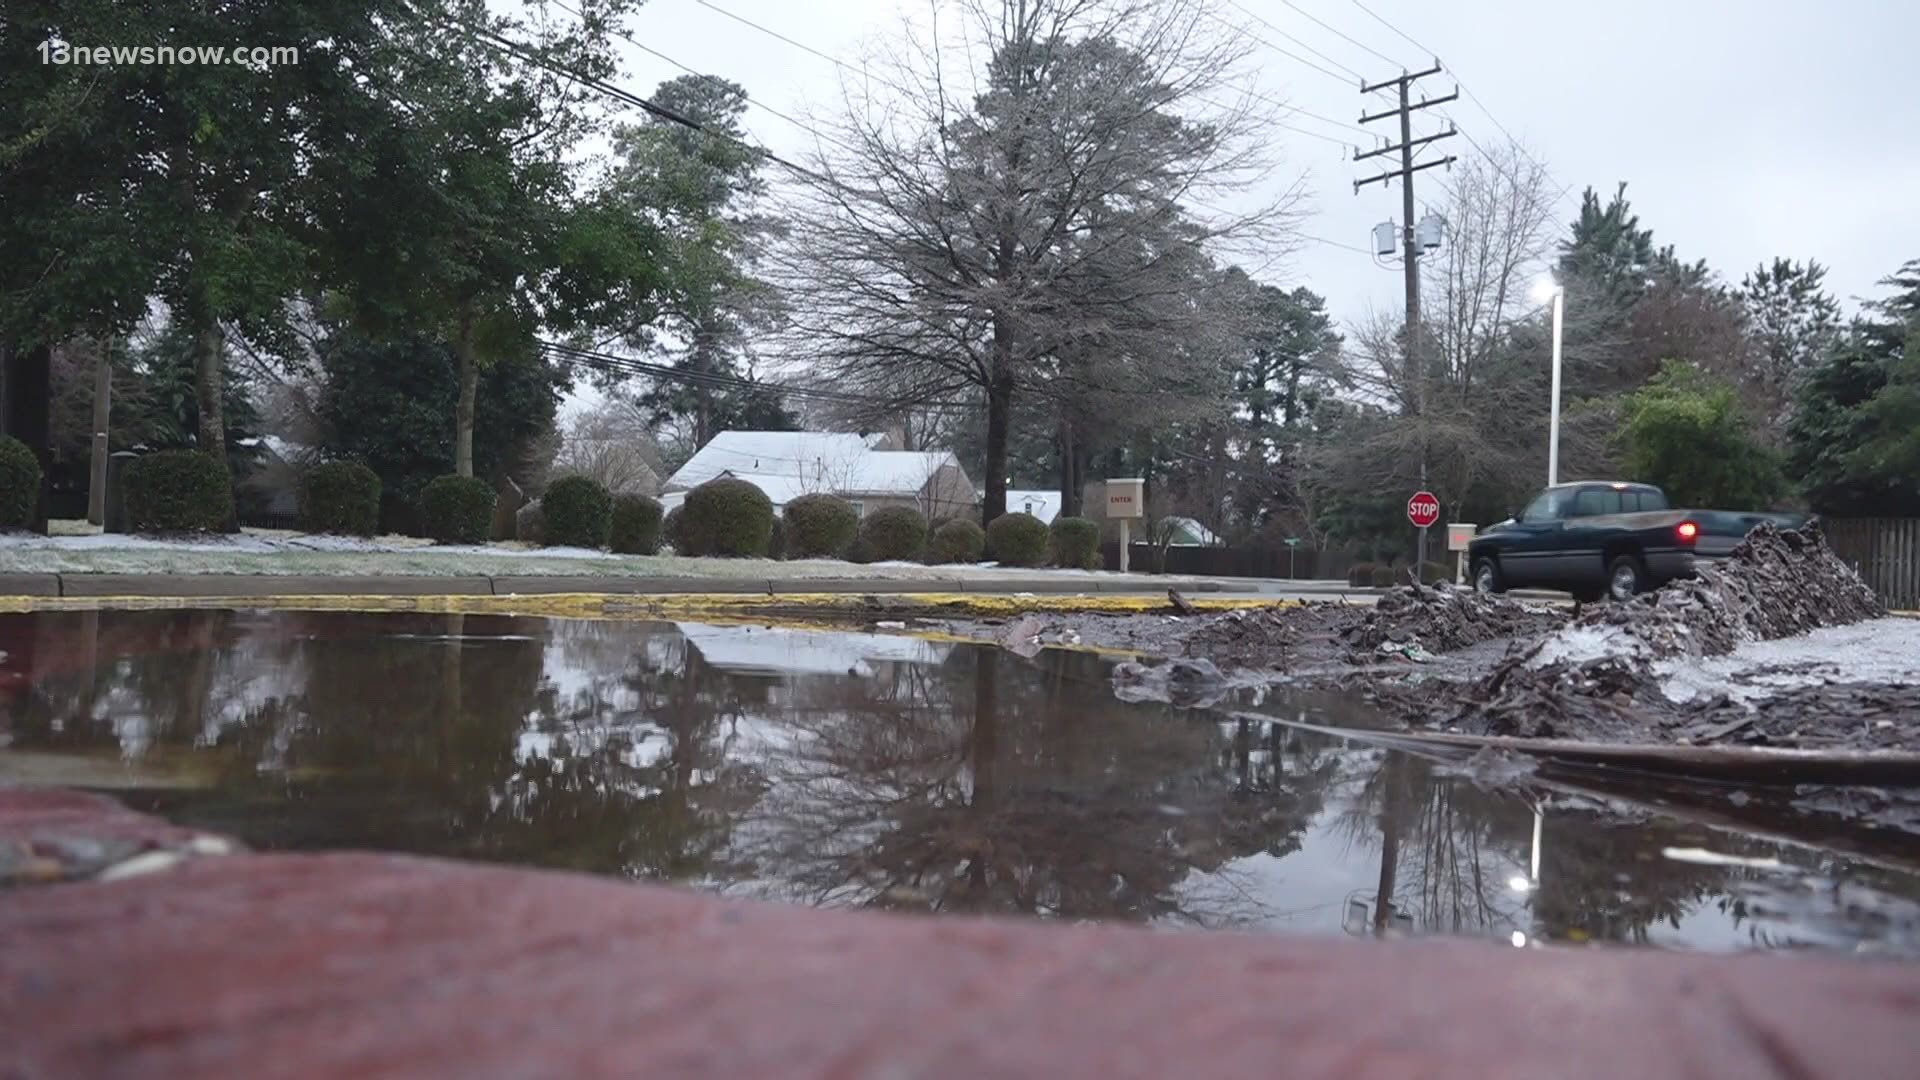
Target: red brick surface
(360, 965)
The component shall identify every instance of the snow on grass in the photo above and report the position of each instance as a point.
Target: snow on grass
(272, 551)
(1875, 651)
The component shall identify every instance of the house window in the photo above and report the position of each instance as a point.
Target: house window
(859, 508)
(1029, 506)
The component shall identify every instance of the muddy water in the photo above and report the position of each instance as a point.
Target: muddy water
(864, 770)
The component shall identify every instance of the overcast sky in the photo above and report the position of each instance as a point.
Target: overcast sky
(1745, 130)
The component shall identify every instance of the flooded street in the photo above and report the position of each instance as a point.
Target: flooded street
(849, 769)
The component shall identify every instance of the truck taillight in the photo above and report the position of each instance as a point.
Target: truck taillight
(1689, 532)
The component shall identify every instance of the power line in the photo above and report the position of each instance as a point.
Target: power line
(1255, 16)
(1344, 37)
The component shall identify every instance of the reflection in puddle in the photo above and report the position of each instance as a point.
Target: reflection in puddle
(872, 770)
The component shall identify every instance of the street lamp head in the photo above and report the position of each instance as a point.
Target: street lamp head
(1545, 289)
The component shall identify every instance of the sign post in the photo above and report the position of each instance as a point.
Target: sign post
(1459, 535)
(1293, 545)
(1423, 510)
(1126, 500)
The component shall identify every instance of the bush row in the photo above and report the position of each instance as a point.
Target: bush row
(186, 491)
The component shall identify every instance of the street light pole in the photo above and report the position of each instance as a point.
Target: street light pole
(1553, 424)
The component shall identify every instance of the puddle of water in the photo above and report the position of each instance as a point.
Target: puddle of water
(854, 769)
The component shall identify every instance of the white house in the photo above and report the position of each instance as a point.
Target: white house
(789, 464)
(1044, 505)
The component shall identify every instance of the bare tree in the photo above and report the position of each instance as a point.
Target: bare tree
(611, 444)
(1032, 225)
(1476, 409)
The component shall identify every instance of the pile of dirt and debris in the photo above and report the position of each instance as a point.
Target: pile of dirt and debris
(1595, 678)
(1440, 619)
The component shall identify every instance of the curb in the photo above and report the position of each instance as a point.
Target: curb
(253, 586)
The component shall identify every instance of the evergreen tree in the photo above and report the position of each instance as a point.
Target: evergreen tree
(1849, 440)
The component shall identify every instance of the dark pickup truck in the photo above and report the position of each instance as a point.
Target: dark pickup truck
(1605, 538)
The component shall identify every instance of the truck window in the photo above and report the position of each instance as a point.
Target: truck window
(1652, 499)
(1592, 502)
(1549, 506)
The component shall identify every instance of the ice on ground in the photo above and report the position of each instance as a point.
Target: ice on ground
(1582, 644)
(1883, 650)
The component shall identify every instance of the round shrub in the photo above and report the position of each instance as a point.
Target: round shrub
(1017, 540)
(457, 509)
(820, 526)
(340, 497)
(956, 541)
(777, 539)
(1360, 575)
(19, 483)
(1385, 576)
(636, 525)
(579, 512)
(670, 531)
(178, 491)
(895, 532)
(726, 517)
(1076, 543)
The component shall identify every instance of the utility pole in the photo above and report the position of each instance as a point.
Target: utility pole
(1416, 368)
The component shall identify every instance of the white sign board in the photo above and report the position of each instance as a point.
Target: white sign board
(1126, 499)
(1459, 536)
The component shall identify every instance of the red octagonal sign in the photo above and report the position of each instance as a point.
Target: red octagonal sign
(1423, 509)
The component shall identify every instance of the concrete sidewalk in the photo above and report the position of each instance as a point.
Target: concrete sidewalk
(269, 585)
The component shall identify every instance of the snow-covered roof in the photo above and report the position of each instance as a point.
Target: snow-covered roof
(811, 461)
(1195, 534)
(805, 454)
(781, 490)
(1044, 505)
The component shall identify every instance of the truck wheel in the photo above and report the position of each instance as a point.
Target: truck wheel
(1626, 577)
(1486, 577)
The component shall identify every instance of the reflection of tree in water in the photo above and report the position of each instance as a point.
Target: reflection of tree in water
(1446, 847)
(638, 779)
(996, 785)
(1452, 847)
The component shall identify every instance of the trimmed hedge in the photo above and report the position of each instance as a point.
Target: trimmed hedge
(1360, 575)
(340, 497)
(1433, 573)
(820, 526)
(636, 525)
(1018, 540)
(726, 517)
(179, 491)
(1385, 577)
(579, 513)
(1076, 543)
(19, 483)
(894, 533)
(457, 509)
(670, 531)
(956, 541)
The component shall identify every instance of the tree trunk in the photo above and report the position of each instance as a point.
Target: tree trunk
(209, 347)
(1069, 457)
(102, 409)
(26, 395)
(999, 422)
(469, 390)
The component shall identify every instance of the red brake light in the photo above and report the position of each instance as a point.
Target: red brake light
(1688, 532)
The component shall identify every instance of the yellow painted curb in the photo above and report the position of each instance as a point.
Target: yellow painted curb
(790, 607)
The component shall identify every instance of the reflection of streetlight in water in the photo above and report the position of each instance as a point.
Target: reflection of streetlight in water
(1526, 884)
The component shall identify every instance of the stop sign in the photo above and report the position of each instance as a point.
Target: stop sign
(1423, 509)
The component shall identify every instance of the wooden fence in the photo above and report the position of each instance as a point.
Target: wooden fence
(1886, 552)
(1306, 564)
